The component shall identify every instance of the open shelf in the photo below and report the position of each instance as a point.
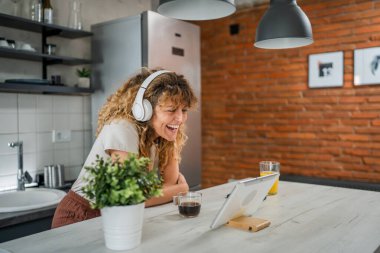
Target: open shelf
(44, 89)
(45, 30)
(35, 56)
(40, 27)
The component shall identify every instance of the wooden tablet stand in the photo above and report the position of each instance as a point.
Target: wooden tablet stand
(248, 223)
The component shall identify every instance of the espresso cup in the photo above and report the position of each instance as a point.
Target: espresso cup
(189, 203)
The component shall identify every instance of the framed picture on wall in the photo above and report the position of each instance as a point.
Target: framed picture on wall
(326, 70)
(367, 66)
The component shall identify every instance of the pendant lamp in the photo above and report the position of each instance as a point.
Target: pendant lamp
(284, 25)
(196, 9)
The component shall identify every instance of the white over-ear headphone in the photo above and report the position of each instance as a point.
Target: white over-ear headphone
(142, 109)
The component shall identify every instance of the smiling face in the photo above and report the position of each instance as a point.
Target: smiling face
(167, 119)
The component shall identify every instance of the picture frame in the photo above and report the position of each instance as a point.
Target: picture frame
(367, 66)
(326, 70)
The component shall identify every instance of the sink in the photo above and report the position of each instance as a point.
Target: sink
(29, 199)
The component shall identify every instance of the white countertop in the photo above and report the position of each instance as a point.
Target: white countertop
(304, 217)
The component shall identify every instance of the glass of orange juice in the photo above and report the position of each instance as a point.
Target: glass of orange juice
(270, 167)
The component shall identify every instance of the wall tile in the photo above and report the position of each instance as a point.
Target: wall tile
(4, 140)
(61, 156)
(86, 152)
(44, 142)
(44, 122)
(67, 173)
(76, 121)
(61, 104)
(61, 145)
(61, 121)
(29, 142)
(8, 182)
(8, 165)
(30, 163)
(76, 157)
(44, 104)
(76, 104)
(27, 103)
(27, 122)
(87, 105)
(87, 122)
(8, 103)
(88, 139)
(44, 158)
(77, 139)
(8, 123)
(74, 172)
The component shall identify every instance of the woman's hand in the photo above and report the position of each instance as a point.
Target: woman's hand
(181, 179)
(169, 190)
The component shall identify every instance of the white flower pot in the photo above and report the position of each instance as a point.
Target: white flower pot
(122, 226)
(84, 82)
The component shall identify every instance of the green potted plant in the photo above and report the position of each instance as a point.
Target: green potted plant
(119, 190)
(84, 77)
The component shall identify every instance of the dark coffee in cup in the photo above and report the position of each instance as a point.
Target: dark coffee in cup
(189, 209)
(189, 203)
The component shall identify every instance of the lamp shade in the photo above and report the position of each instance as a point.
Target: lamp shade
(284, 25)
(196, 9)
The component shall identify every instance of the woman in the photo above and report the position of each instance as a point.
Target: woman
(127, 124)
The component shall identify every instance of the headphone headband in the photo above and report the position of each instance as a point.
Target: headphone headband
(151, 77)
(142, 108)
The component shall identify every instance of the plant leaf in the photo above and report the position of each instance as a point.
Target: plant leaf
(114, 183)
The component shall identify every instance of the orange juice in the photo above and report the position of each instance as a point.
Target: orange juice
(274, 188)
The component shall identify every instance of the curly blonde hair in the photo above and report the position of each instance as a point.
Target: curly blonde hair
(167, 87)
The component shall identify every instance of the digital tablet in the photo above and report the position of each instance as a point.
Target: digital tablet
(245, 199)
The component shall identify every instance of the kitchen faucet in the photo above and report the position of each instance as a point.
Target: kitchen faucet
(20, 170)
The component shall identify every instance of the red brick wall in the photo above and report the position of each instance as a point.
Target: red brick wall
(256, 104)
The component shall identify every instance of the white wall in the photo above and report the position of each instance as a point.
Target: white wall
(30, 117)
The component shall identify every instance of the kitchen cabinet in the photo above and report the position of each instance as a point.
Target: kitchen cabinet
(45, 30)
(20, 224)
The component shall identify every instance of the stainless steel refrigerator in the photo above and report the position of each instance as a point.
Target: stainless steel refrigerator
(121, 47)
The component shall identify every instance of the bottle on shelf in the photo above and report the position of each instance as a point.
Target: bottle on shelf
(75, 15)
(48, 12)
(36, 10)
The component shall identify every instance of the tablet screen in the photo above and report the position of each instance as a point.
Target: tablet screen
(245, 199)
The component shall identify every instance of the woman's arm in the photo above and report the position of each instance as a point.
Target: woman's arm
(174, 181)
(168, 192)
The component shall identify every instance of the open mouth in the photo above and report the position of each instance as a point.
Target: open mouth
(172, 127)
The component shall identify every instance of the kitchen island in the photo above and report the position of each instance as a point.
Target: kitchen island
(304, 218)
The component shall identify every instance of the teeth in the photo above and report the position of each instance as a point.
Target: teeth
(173, 126)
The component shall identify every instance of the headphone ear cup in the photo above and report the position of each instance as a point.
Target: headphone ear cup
(148, 110)
(138, 111)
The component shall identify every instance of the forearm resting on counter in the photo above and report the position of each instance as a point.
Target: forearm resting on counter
(168, 192)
